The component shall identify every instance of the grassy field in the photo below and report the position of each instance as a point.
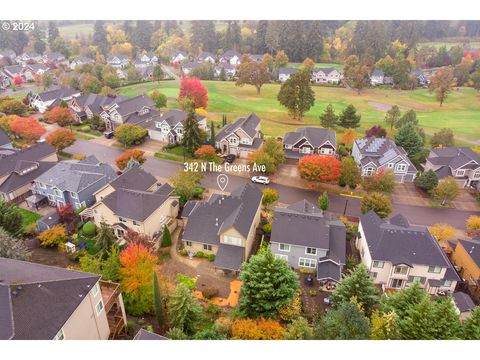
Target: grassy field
(29, 217)
(318, 65)
(461, 112)
(449, 44)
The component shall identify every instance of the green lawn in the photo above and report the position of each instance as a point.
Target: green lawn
(29, 217)
(461, 112)
(83, 136)
(318, 65)
(169, 157)
(449, 44)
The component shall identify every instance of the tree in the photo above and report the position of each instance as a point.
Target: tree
(296, 94)
(475, 78)
(325, 168)
(104, 239)
(329, 119)
(269, 196)
(12, 248)
(443, 232)
(408, 138)
(158, 73)
(90, 84)
(46, 79)
(357, 73)
(18, 80)
(60, 115)
(176, 334)
(158, 301)
(427, 180)
(382, 181)
(166, 237)
(184, 184)
(192, 136)
(400, 302)
(212, 134)
(159, 99)
(473, 226)
(11, 218)
(358, 284)
(134, 75)
(60, 139)
(345, 322)
(111, 265)
(135, 154)
(268, 284)
(471, 325)
(349, 117)
(261, 158)
(281, 59)
(442, 83)
(308, 64)
(27, 128)
(100, 37)
(257, 329)
(392, 116)
(446, 190)
(206, 152)
(133, 237)
(298, 329)
(376, 131)
(410, 117)
(130, 134)
(443, 138)
(192, 88)
(350, 174)
(348, 137)
(252, 73)
(184, 310)
(10, 106)
(378, 203)
(56, 236)
(323, 201)
(137, 278)
(383, 325)
(53, 32)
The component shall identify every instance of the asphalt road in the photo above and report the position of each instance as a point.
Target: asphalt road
(288, 195)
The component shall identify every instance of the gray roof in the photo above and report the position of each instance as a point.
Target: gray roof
(329, 270)
(54, 94)
(229, 257)
(287, 70)
(54, 56)
(143, 334)
(134, 178)
(453, 157)
(130, 107)
(209, 219)
(4, 139)
(113, 58)
(77, 175)
(463, 301)
(230, 54)
(226, 66)
(315, 136)
(189, 207)
(95, 102)
(173, 117)
(326, 71)
(472, 247)
(191, 65)
(12, 70)
(378, 72)
(36, 300)
(14, 160)
(24, 174)
(248, 125)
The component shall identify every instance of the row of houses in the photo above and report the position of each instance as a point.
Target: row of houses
(329, 75)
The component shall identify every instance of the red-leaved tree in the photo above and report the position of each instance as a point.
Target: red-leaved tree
(61, 138)
(206, 152)
(27, 128)
(18, 80)
(122, 160)
(320, 168)
(60, 115)
(376, 131)
(193, 89)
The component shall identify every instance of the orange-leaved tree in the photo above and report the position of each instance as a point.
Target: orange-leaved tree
(206, 152)
(27, 128)
(61, 138)
(258, 329)
(135, 154)
(56, 236)
(320, 168)
(60, 115)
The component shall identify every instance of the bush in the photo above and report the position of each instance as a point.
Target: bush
(30, 229)
(89, 229)
(200, 254)
(211, 257)
(209, 293)
(55, 236)
(198, 192)
(188, 281)
(184, 252)
(267, 228)
(129, 134)
(166, 237)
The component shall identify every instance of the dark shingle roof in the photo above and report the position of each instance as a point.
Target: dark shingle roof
(16, 180)
(55, 94)
(134, 179)
(36, 152)
(329, 270)
(453, 157)
(173, 117)
(463, 301)
(315, 136)
(287, 70)
(143, 334)
(247, 124)
(4, 139)
(472, 247)
(229, 257)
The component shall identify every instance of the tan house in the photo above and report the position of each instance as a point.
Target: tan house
(466, 256)
(39, 302)
(224, 226)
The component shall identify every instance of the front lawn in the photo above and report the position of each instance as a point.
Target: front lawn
(168, 157)
(29, 217)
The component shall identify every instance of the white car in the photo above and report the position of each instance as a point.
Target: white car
(261, 180)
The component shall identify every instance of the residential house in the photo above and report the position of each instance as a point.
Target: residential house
(146, 72)
(4, 81)
(18, 168)
(80, 61)
(374, 154)
(52, 97)
(189, 67)
(148, 59)
(285, 72)
(8, 55)
(169, 126)
(206, 56)
(40, 302)
(377, 77)
(225, 225)
(54, 58)
(397, 254)
(326, 76)
(29, 57)
(72, 182)
(463, 304)
(118, 61)
(131, 110)
(229, 70)
(12, 71)
(87, 106)
(256, 57)
(5, 142)
(31, 71)
(241, 137)
(460, 162)
(135, 200)
(421, 77)
(231, 56)
(305, 141)
(178, 57)
(307, 239)
(143, 334)
(466, 257)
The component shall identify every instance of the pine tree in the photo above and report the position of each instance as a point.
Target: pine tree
(260, 34)
(53, 32)
(142, 34)
(314, 41)
(100, 36)
(12, 248)
(329, 119)
(10, 218)
(401, 301)
(166, 237)
(408, 138)
(104, 239)
(223, 75)
(158, 301)
(212, 134)
(184, 310)
(192, 136)
(471, 326)
(349, 117)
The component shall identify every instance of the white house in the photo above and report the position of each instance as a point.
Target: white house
(326, 76)
(285, 72)
(53, 97)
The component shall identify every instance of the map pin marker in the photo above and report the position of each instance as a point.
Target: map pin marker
(222, 181)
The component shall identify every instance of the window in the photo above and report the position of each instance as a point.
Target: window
(58, 192)
(397, 283)
(420, 279)
(60, 335)
(311, 251)
(95, 290)
(99, 307)
(362, 253)
(373, 275)
(378, 264)
(368, 171)
(310, 263)
(401, 167)
(400, 269)
(476, 175)
(232, 240)
(326, 151)
(305, 150)
(281, 256)
(434, 269)
(447, 283)
(232, 140)
(207, 247)
(135, 223)
(460, 172)
(284, 247)
(390, 165)
(188, 243)
(122, 220)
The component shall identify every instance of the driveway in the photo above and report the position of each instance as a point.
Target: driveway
(407, 193)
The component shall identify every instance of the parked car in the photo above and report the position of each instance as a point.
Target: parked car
(261, 180)
(229, 158)
(108, 134)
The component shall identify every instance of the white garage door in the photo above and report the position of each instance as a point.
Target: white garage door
(244, 153)
(155, 135)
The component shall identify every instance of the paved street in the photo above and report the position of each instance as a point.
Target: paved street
(162, 168)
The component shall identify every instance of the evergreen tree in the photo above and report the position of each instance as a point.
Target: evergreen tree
(349, 117)
(53, 32)
(142, 34)
(166, 237)
(100, 36)
(127, 28)
(427, 180)
(12, 248)
(158, 301)
(223, 75)
(184, 310)
(401, 301)
(392, 116)
(192, 136)
(10, 218)
(104, 239)
(323, 201)
(204, 35)
(329, 119)
(260, 44)
(298, 329)
(212, 134)
(232, 35)
(408, 138)
(296, 94)
(471, 326)
(314, 41)
(410, 117)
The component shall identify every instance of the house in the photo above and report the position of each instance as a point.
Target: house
(241, 137)
(29, 57)
(146, 73)
(72, 182)
(466, 257)
(463, 304)
(225, 226)
(206, 56)
(304, 141)
(5, 142)
(398, 254)
(189, 67)
(54, 58)
(374, 154)
(146, 59)
(230, 70)
(90, 105)
(231, 56)
(82, 60)
(13, 71)
(4, 81)
(305, 238)
(18, 168)
(131, 110)
(143, 334)
(421, 77)
(377, 77)
(135, 200)
(40, 302)
(52, 97)
(285, 72)
(31, 71)
(460, 162)
(326, 76)
(256, 57)
(178, 57)
(168, 126)
(118, 61)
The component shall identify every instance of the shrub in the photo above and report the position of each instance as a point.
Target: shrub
(267, 228)
(209, 293)
(135, 154)
(260, 329)
(188, 281)
(89, 229)
(166, 237)
(200, 254)
(325, 168)
(30, 229)
(129, 134)
(198, 192)
(184, 252)
(206, 152)
(55, 236)
(211, 257)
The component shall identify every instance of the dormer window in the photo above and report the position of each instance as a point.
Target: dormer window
(460, 172)
(144, 111)
(401, 270)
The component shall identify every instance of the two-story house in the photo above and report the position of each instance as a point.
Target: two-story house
(241, 137)
(80, 61)
(466, 256)
(169, 126)
(224, 226)
(131, 110)
(40, 302)
(189, 67)
(397, 254)
(145, 60)
(137, 201)
(305, 141)
(231, 56)
(285, 72)
(377, 77)
(118, 61)
(73, 182)
(29, 57)
(54, 58)
(374, 154)
(460, 162)
(89, 105)
(421, 77)
(306, 238)
(326, 76)
(206, 56)
(229, 70)
(179, 57)
(52, 97)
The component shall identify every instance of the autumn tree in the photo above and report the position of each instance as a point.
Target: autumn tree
(325, 168)
(296, 94)
(12, 248)
(442, 83)
(206, 152)
(442, 232)
(27, 128)
(349, 117)
(135, 154)
(382, 181)
(443, 138)
(281, 59)
(10, 106)
(184, 310)
(130, 134)
(473, 226)
(392, 116)
(298, 329)
(269, 196)
(257, 329)
(56, 236)
(350, 174)
(261, 158)
(184, 184)
(446, 190)
(61, 139)
(308, 65)
(329, 119)
(376, 131)
(357, 73)
(137, 278)
(348, 137)
(192, 88)
(90, 84)
(427, 180)
(60, 115)
(133, 237)
(383, 325)
(378, 203)
(252, 73)
(159, 99)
